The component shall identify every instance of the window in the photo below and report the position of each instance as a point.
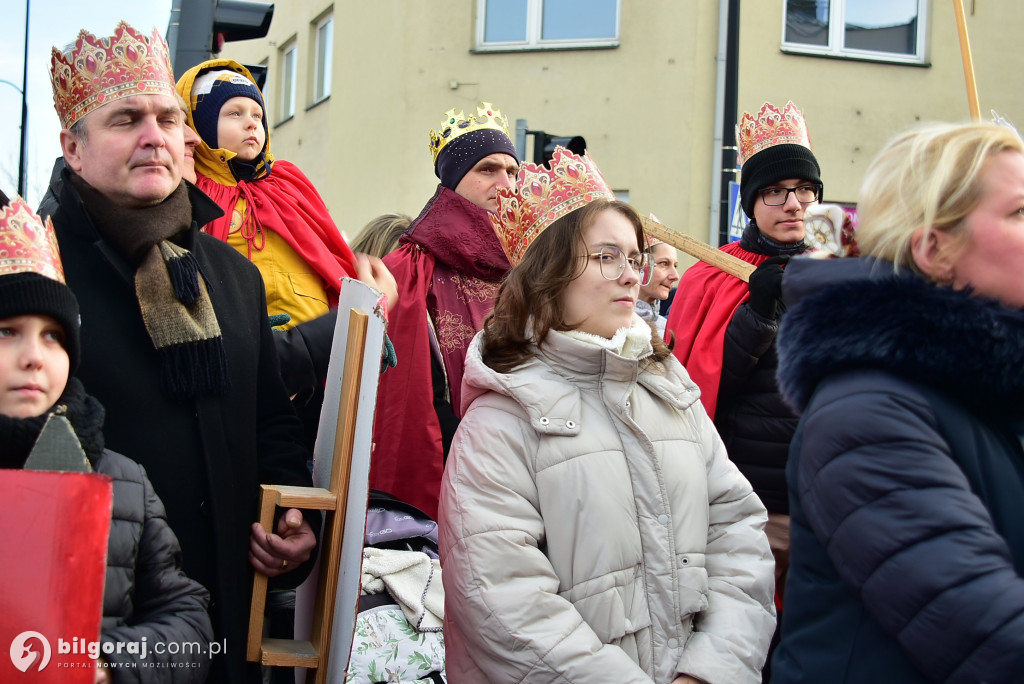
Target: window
(884, 30)
(324, 50)
(289, 60)
(546, 24)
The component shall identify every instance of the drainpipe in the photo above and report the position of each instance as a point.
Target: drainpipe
(726, 87)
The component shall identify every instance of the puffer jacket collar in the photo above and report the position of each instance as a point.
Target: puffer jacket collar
(548, 386)
(848, 314)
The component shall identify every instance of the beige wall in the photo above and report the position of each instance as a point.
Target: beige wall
(645, 108)
(854, 107)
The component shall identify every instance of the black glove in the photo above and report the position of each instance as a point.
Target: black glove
(766, 286)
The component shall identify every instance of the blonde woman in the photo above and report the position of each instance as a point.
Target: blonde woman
(907, 472)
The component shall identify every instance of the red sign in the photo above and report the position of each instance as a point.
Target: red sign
(53, 557)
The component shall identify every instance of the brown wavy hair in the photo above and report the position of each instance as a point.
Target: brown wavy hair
(532, 292)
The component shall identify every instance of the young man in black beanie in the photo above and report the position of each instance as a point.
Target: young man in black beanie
(725, 329)
(448, 267)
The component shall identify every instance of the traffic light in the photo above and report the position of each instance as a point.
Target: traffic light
(544, 145)
(240, 20)
(199, 28)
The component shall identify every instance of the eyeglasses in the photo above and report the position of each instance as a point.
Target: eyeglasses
(612, 262)
(805, 194)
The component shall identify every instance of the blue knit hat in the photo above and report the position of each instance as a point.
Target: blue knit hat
(209, 93)
(462, 153)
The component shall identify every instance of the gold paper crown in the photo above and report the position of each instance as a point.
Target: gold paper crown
(541, 197)
(771, 127)
(27, 243)
(454, 125)
(102, 70)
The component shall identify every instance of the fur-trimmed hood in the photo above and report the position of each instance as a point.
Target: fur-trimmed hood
(848, 314)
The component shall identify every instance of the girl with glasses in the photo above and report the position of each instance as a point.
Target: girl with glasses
(592, 526)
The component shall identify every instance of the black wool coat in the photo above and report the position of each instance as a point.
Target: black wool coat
(755, 422)
(906, 480)
(146, 594)
(206, 457)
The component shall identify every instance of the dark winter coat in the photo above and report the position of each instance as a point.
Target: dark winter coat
(206, 457)
(906, 477)
(146, 594)
(754, 420)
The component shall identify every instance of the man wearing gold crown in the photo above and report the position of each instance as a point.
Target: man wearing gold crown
(448, 268)
(725, 329)
(175, 338)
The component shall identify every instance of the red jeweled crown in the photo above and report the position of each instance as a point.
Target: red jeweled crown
(541, 197)
(100, 70)
(771, 127)
(27, 243)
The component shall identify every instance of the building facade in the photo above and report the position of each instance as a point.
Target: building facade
(354, 87)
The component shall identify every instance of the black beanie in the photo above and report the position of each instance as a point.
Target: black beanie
(209, 93)
(462, 153)
(22, 294)
(772, 165)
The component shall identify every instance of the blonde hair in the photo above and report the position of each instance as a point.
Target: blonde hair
(380, 236)
(930, 176)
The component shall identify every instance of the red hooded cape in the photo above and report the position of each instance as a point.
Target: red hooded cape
(704, 305)
(286, 203)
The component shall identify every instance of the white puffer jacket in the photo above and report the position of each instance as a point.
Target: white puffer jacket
(593, 530)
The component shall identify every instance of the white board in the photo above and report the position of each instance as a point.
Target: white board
(361, 297)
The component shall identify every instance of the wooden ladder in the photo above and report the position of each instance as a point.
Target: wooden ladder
(313, 654)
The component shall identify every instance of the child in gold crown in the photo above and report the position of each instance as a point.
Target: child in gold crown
(592, 527)
(146, 594)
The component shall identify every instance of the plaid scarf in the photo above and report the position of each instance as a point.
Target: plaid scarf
(173, 297)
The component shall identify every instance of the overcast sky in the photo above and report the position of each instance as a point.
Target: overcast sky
(51, 23)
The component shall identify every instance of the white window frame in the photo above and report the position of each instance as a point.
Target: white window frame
(322, 69)
(836, 34)
(534, 26)
(289, 78)
(268, 90)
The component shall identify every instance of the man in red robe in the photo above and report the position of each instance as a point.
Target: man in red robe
(725, 329)
(448, 268)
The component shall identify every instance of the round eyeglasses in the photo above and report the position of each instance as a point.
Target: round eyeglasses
(805, 194)
(612, 262)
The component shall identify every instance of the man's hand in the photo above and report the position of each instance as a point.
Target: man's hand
(373, 272)
(276, 554)
(766, 286)
(686, 679)
(102, 673)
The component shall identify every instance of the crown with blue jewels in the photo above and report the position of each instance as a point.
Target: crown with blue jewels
(454, 125)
